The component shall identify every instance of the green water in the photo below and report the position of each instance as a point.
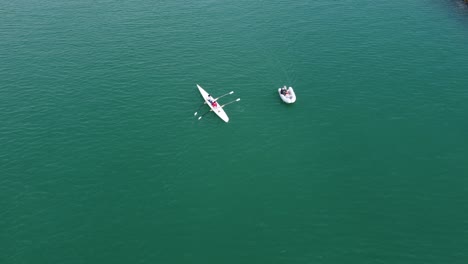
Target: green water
(103, 161)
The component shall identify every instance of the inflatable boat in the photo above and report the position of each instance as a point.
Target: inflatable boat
(287, 94)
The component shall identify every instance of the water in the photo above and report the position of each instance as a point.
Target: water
(102, 160)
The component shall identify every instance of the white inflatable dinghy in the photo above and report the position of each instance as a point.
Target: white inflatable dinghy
(287, 94)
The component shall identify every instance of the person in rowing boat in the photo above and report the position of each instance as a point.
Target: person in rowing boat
(284, 91)
(212, 101)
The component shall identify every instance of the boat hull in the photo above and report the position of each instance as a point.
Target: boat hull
(218, 110)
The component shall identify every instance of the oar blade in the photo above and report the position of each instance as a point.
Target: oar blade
(237, 100)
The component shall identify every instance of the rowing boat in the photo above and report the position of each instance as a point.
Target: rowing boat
(218, 109)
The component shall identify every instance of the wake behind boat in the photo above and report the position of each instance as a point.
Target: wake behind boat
(287, 94)
(214, 105)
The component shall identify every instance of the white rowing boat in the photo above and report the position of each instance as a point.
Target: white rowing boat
(287, 94)
(214, 105)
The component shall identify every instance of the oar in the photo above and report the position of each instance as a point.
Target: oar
(204, 103)
(204, 114)
(231, 92)
(237, 100)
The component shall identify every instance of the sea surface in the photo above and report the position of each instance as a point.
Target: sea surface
(103, 161)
